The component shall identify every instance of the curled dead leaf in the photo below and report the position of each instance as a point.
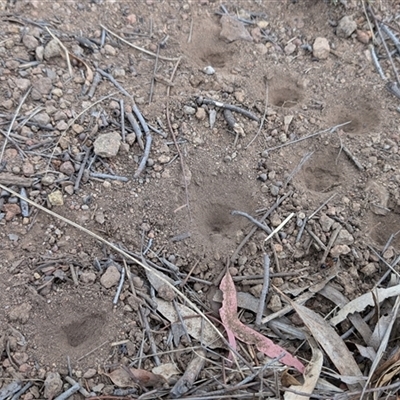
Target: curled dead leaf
(132, 377)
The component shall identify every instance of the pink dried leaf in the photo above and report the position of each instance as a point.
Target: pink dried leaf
(228, 313)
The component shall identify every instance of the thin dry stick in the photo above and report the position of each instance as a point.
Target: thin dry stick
(330, 130)
(64, 48)
(120, 251)
(190, 31)
(154, 73)
(264, 291)
(330, 244)
(262, 119)
(254, 229)
(150, 336)
(176, 143)
(150, 53)
(12, 122)
(384, 44)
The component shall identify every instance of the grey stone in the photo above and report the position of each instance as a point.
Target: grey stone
(56, 198)
(111, 277)
(290, 48)
(67, 168)
(22, 84)
(52, 49)
(60, 115)
(233, 30)
(131, 138)
(107, 144)
(110, 50)
(48, 180)
(88, 277)
(42, 118)
(43, 85)
(339, 250)
(39, 53)
(30, 42)
(189, 110)
(61, 126)
(118, 73)
(321, 48)
(274, 190)
(52, 385)
(326, 222)
(346, 27)
(344, 237)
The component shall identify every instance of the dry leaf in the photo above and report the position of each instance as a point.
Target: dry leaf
(131, 377)
(166, 370)
(235, 328)
(288, 380)
(331, 342)
(311, 375)
(198, 329)
(362, 302)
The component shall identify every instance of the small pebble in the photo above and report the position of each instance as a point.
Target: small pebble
(209, 70)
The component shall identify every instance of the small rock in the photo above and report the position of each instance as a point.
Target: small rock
(69, 189)
(13, 237)
(20, 313)
(275, 304)
(340, 249)
(52, 49)
(283, 138)
(290, 48)
(130, 138)
(321, 48)
(389, 253)
(88, 277)
(242, 260)
(110, 50)
(346, 27)
(11, 211)
(201, 114)
(60, 116)
(163, 159)
(43, 85)
(52, 385)
(56, 198)
(61, 126)
(22, 84)
(77, 128)
(28, 169)
(369, 269)
(363, 36)
(263, 177)
(111, 277)
(39, 52)
(209, 70)
(239, 96)
(48, 180)
(8, 104)
(344, 237)
(118, 73)
(326, 222)
(99, 217)
(107, 144)
(189, 110)
(30, 42)
(233, 30)
(275, 220)
(67, 168)
(274, 190)
(42, 118)
(90, 373)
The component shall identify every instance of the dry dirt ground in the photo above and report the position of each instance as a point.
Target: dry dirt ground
(55, 302)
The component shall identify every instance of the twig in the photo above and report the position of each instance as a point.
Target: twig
(330, 130)
(82, 169)
(154, 73)
(122, 114)
(161, 133)
(211, 102)
(103, 37)
(68, 393)
(391, 36)
(190, 31)
(186, 381)
(330, 244)
(64, 48)
(150, 336)
(13, 120)
(264, 291)
(95, 83)
(262, 119)
(376, 62)
(150, 53)
(23, 204)
(298, 167)
(254, 229)
(82, 390)
(94, 350)
(253, 220)
(114, 82)
(136, 128)
(145, 157)
(109, 176)
(352, 158)
(384, 44)
(279, 227)
(21, 391)
(119, 289)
